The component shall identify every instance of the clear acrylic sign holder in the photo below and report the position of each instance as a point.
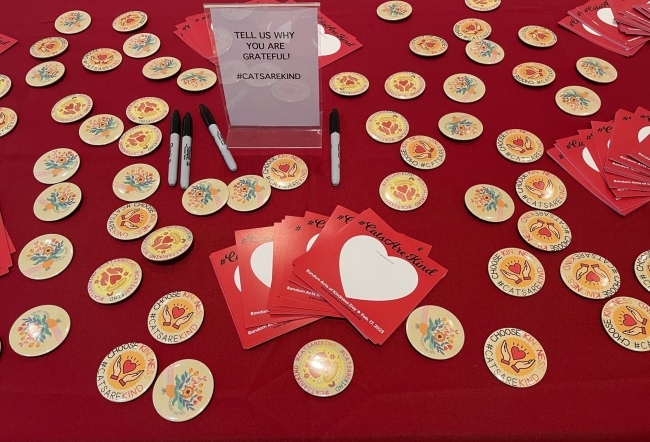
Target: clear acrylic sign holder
(267, 64)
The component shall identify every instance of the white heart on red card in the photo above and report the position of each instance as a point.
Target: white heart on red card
(369, 274)
(262, 263)
(586, 155)
(311, 241)
(643, 133)
(237, 279)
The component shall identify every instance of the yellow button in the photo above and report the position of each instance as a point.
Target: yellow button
(590, 276)
(114, 281)
(102, 60)
(349, 83)
(72, 22)
(175, 317)
(127, 372)
(515, 357)
(323, 368)
(626, 321)
(72, 108)
(435, 332)
(167, 243)
(403, 191)
(516, 272)
(387, 127)
(544, 231)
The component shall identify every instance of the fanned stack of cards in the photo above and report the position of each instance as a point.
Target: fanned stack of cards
(612, 159)
(612, 24)
(333, 42)
(6, 249)
(347, 265)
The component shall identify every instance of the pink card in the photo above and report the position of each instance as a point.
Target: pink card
(225, 265)
(374, 276)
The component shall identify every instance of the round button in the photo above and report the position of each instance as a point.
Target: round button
(72, 22)
(101, 130)
(533, 74)
(205, 197)
(323, 368)
(48, 47)
(590, 276)
(147, 110)
(8, 120)
(520, 146)
(167, 243)
(248, 192)
(596, 69)
(435, 332)
(57, 202)
(56, 166)
(489, 203)
(127, 372)
(285, 171)
(541, 190)
(102, 60)
(349, 84)
(45, 256)
(387, 127)
(464, 88)
(578, 101)
(140, 140)
(422, 152)
(5, 85)
(460, 126)
(544, 231)
(161, 68)
(516, 272)
(114, 281)
(394, 10)
(626, 321)
(428, 45)
(515, 357)
(195, 80)
(136, 182)
(141, 45)
(39, 330)
(183, 390)
(484, 52)
(132, 221)
(537, 36)
(72, 108)
(130, 21)
(175, 317)
(471, 29)
(403, 191)
(483, 5)
(45, 74)
(642, 269)
(404, 85)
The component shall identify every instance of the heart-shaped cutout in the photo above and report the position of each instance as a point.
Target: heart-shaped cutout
(517, 353)
(515, 268)
(237, 278)
(369, 274)
(628, 320)
(643, 133)
(262, 263)
(177, 312)
(311, 241)
(128, 366)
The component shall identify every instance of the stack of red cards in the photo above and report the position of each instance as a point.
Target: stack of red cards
(333, 42)
(613, 24)
(302, 269)
(612, 159)
(6, 249)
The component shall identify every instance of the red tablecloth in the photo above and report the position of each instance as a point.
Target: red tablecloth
(593, 387)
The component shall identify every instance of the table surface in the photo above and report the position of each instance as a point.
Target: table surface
(593, 387)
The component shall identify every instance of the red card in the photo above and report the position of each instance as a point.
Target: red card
(181, 34)
(199, 28)
(224, 263)
(638, 138)
(6, 42)
(590, 34)
(371, 274)
(623, 123)
(597, 15)
(334, 42)
(255, 251)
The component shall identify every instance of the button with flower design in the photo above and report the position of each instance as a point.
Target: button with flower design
(464, 88)
(323, 368)
(161, 68)
(403, 191)
(183, 390)
(484, 52)
(596, 69)
(195, 80)
(45, 256)
(45, 74)
(57, 202)
(72, 22)
(141, 45)
(205, 196)
(39, 330)
(394, 10)
(460, 126)
(136, 182)
(489, 203)
(56, 166)
(248, 192)
(577, 100)
(533, 74)
(435, 332)
(101, 129)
